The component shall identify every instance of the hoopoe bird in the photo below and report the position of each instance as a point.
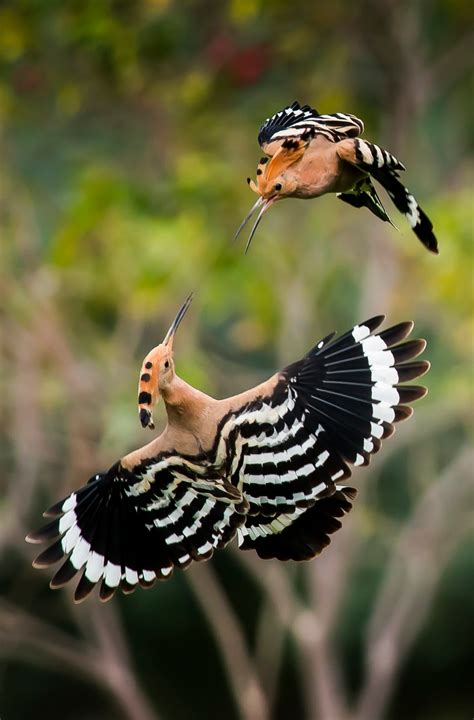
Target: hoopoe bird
(268, 465)
(308, 155)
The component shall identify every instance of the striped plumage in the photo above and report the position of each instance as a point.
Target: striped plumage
(269, 465)
(295, 120)
(309, 155)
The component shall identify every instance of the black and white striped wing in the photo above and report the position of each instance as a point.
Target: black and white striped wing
(297, 122)
(299, 535)
(330, 410)
(125, 529)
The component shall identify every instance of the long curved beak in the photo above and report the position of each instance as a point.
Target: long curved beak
(169, 337)
(247, 217)
(262, 205)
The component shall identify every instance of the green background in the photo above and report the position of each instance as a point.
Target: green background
(127, 130)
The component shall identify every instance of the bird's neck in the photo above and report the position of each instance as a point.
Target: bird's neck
(185, 406)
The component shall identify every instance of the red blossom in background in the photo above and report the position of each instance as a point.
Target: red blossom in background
(243, 65)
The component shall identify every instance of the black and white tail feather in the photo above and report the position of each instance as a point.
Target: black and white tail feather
(274, 474)
(384, 167)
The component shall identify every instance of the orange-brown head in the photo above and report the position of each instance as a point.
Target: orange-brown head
(274, 182)
(157, 371)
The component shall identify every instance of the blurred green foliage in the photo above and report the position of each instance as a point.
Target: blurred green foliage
(127, 132)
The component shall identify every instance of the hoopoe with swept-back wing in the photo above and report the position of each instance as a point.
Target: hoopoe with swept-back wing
(268, 465)
(308, 155)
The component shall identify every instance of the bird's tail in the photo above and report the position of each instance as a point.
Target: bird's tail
(406, 203)
(384, 167)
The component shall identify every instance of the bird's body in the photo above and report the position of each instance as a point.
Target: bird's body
(192, 420)
(321, 170)
(266, 464)
(309, 155)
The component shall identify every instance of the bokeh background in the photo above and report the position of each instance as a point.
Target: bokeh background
(127, 131)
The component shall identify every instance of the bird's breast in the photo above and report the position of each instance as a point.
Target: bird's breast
(323, 173)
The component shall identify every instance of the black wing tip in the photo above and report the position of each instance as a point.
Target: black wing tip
(425, 365)
(374, 322)
(396, 333)
(106, 592)
(402, 412)
(56, 585)
(409, 349)
(411, 393)
(65, 574)
(145, 584)
(424, 232)
(50, 556)
(55, 510)
(83, 589)
(127, 588)
(35, 537)
(405, 326)
(46, 533)
(431, 244)
(39, 565)
(333, 339)
(350, 492)
(412, 370)
(328, 339)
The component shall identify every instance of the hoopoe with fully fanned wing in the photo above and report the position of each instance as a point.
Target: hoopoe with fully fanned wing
(268, 465)
(308, 155)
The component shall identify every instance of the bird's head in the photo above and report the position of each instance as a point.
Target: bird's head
(157, 371)
(275, 181)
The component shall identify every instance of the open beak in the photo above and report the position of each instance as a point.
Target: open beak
(169, 337)
(262, 205)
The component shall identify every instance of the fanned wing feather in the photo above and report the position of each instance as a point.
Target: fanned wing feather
(303, 122)
(330, 410)
(127, 528)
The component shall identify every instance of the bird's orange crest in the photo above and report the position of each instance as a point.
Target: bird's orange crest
(270, 185)
(269, 169)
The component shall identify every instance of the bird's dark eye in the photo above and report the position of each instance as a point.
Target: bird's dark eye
(167, 364)
(278, 187)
